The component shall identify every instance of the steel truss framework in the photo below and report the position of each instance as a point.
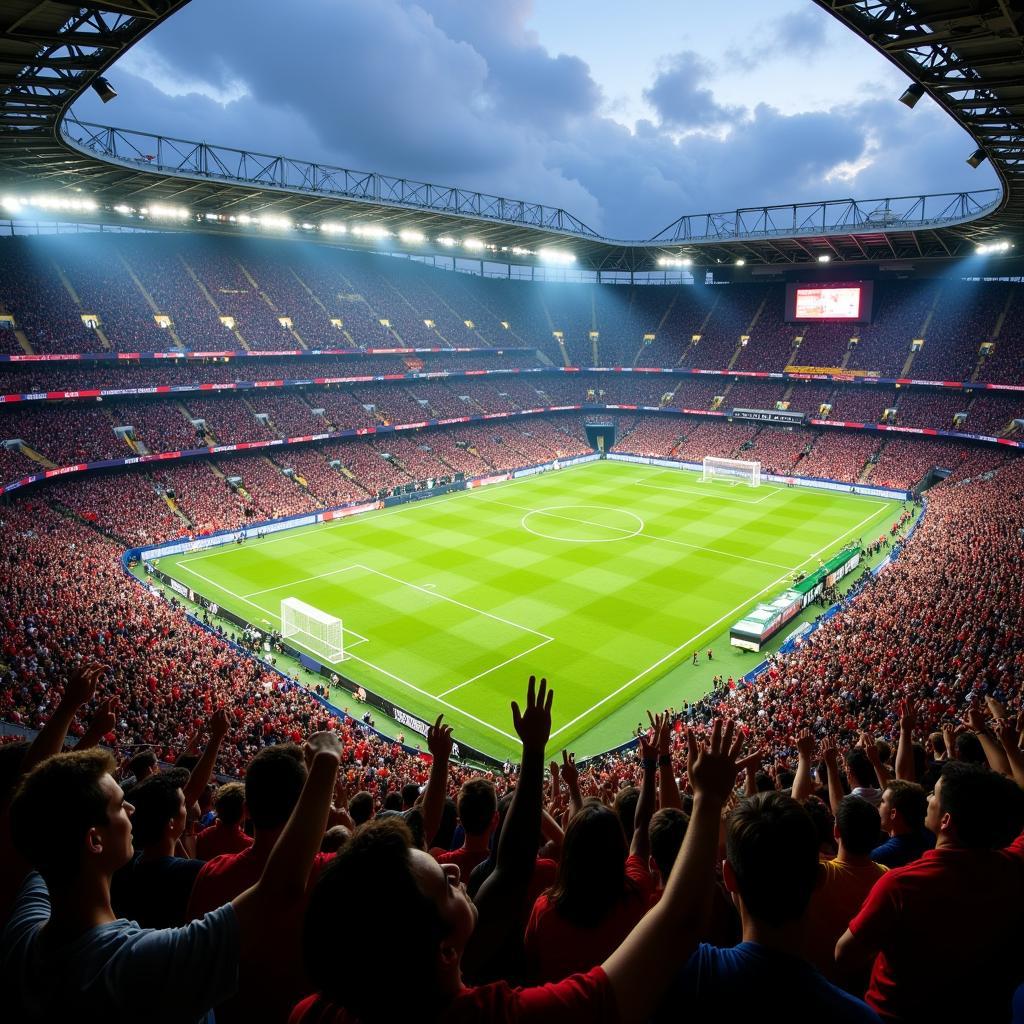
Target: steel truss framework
(966, 53)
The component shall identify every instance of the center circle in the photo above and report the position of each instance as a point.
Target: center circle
(582, 524)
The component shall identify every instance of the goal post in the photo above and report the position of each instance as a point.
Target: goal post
(313, 629)
(731, 469)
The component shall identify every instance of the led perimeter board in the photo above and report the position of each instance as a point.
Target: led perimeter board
(848, 302)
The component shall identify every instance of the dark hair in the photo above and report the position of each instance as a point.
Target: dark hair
(187, 761)
(371, 881)
(969, 749)
(360, 807)
(445, 836)
(393, 801)
(11, 757)
(410, 794)
(859, 825)
(823, 822)
(624, 806)
(229, 802)
(772, 847)
(55, 806)
(273, 782)
(909, 799)
(763, 782)
(142, 763)
(334, 839)
(985, 807)
(592, 872)
(860, 769)
(156, 803)
(667, 832)
(476, 805)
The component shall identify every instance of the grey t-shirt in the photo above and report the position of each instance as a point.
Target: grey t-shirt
(117, 971)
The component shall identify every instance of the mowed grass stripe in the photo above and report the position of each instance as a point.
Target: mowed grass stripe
(613, 608)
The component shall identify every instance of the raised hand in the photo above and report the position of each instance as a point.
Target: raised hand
(712, 766)
(570, 773)
(830, 752)
(82, 683)
(1007, 734)
(323, 743)
(220, 722)
(105, 718)
(975, 719)
(867, 742)
(533, 725)
(648, 746)
(662, 733)
(908, 715)
(439, 739)
(805, 744)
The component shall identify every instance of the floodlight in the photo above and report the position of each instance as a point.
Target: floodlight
(370, 231)
(913, 93)
(274, 222)
(741, 263)
(10, 204)
(121, 208)
(331, 228)
(473, 243)
(159, 211)
(103, 89)
(1003, 246)
(446, 240)
(977, 158)
(824, 258)
(412, 236)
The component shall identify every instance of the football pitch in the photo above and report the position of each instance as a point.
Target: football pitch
(604, 577)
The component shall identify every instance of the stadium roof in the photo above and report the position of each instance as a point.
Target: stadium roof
(967, 54)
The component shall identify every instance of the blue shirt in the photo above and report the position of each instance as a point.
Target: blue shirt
(900, 850)
(753, 982)
(117, 971)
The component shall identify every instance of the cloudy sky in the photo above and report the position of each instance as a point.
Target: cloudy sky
(626, 115)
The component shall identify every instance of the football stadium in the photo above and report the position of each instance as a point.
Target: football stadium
(403, 579)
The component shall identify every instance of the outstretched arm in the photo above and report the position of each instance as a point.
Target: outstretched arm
(905, 747)
(103, 721)
(203, 771)
(870, 748)
(668, 788)
(282, 886)
(830, 755)
(642, 967)
(994, 752)
(501, 902)
(803, 781)
(571, 778)
(1009, 734)
(439, 743)
(50, 739)
(640, 844)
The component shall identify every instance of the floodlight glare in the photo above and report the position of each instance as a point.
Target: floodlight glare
(10, 204)
(121, 208)
(411, 236)
(1003, 246)
(274, 222)
(741, 263)
(370, 231)
(473, 243)
(446, 240)
(912, 94)
(158, 211)
(824, 258)
(103, 89)
(977, 158)
(556, 256)
(62, 203)
(331, 228)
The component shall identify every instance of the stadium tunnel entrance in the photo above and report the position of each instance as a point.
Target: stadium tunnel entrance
(601, 436)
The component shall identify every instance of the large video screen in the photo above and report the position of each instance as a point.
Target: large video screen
(839, 302)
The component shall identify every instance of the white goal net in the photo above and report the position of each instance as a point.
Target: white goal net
(732, 469)
(318, 632)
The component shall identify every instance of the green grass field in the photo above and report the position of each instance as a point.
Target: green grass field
(604, 577)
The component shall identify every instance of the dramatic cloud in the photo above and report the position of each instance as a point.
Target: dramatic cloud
(468, 95)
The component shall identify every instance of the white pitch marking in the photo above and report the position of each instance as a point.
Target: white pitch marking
(494, 668)
(707, 629)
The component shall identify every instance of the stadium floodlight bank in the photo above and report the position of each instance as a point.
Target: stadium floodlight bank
(313, 629)
(735, 470)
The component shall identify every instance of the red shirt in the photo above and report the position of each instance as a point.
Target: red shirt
(556, 948)
(584, 998)
(220, 838)
(975, 898)
(466, 859)
(271, 981)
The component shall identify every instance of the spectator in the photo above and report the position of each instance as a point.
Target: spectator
(845, 881)
(771, 869)
(967, 882)
(902, 814)
(477, 806)
(225, 835)
(65, 955)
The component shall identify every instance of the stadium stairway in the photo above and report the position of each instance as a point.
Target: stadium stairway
(35, 456)
(70, 289)
(996, 332)
(269, 302)
(210, 299)
(144, 292)
(175, 508)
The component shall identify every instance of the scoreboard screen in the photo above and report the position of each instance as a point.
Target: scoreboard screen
(835, 302)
